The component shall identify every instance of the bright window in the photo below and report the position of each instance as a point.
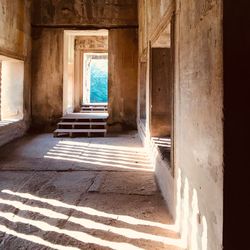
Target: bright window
(11, 94)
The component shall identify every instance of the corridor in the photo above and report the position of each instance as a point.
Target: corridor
(81, 193)
(129, 154)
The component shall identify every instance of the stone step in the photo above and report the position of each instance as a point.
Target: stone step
(65, 130)
(75, 131)
(87, 116)
(97, 120)
(93, 111)
(83, 123)
(83, 120)
(93, 107)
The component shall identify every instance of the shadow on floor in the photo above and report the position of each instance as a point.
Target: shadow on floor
(95, 208)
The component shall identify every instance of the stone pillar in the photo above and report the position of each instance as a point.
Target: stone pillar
(123, 68)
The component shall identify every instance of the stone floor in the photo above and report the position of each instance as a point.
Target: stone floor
(88, 193)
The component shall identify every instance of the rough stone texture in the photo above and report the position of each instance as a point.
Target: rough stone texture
(85, 13)
(75, 209)
(199, 93)
(15, 27)
(151, 13)
(50, 20)
(92, 43)
(145, 183)
(47, 77)
(78, 154)
(156, 11)
(123, 58)
(198, 139)
(15, 42)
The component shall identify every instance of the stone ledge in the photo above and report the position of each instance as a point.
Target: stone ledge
(10, 130)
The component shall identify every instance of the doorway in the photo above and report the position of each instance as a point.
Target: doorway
(78, 80)
(162, 97)
(95, 78)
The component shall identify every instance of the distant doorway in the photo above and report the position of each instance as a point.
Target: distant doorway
(95, 78)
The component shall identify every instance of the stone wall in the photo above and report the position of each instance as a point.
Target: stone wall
(15, 43)
(47, 77)
(15, 28)
(123, 59)
(91, 43)
(50, 20)
(194, 193)
(199, 116)
(89, 13)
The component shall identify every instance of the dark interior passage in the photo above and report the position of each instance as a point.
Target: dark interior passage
(161, 105)
(142, 97)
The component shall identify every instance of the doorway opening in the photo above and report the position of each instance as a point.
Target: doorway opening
(85, 75)
(95, 78)
(142, 82)
(161, 99)
(85, 84)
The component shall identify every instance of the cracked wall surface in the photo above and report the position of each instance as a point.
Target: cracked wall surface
(197, 183)
(85, 13)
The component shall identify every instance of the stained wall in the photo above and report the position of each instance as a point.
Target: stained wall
(122, 83)
(199, 112)
(50, 20)
(15, 43)
(47, 77)
(89, 13)
(193, 189)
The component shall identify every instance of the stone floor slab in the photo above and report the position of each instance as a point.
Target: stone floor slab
(88, 194)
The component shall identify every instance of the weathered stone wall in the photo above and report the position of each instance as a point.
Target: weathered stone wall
(96, 13)
(156, 10)
(198, 119)
(47, 77)
(151, 13)
(50, 19)
(15, 42)
(91, 43)
(15, 28)
(123, 60)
